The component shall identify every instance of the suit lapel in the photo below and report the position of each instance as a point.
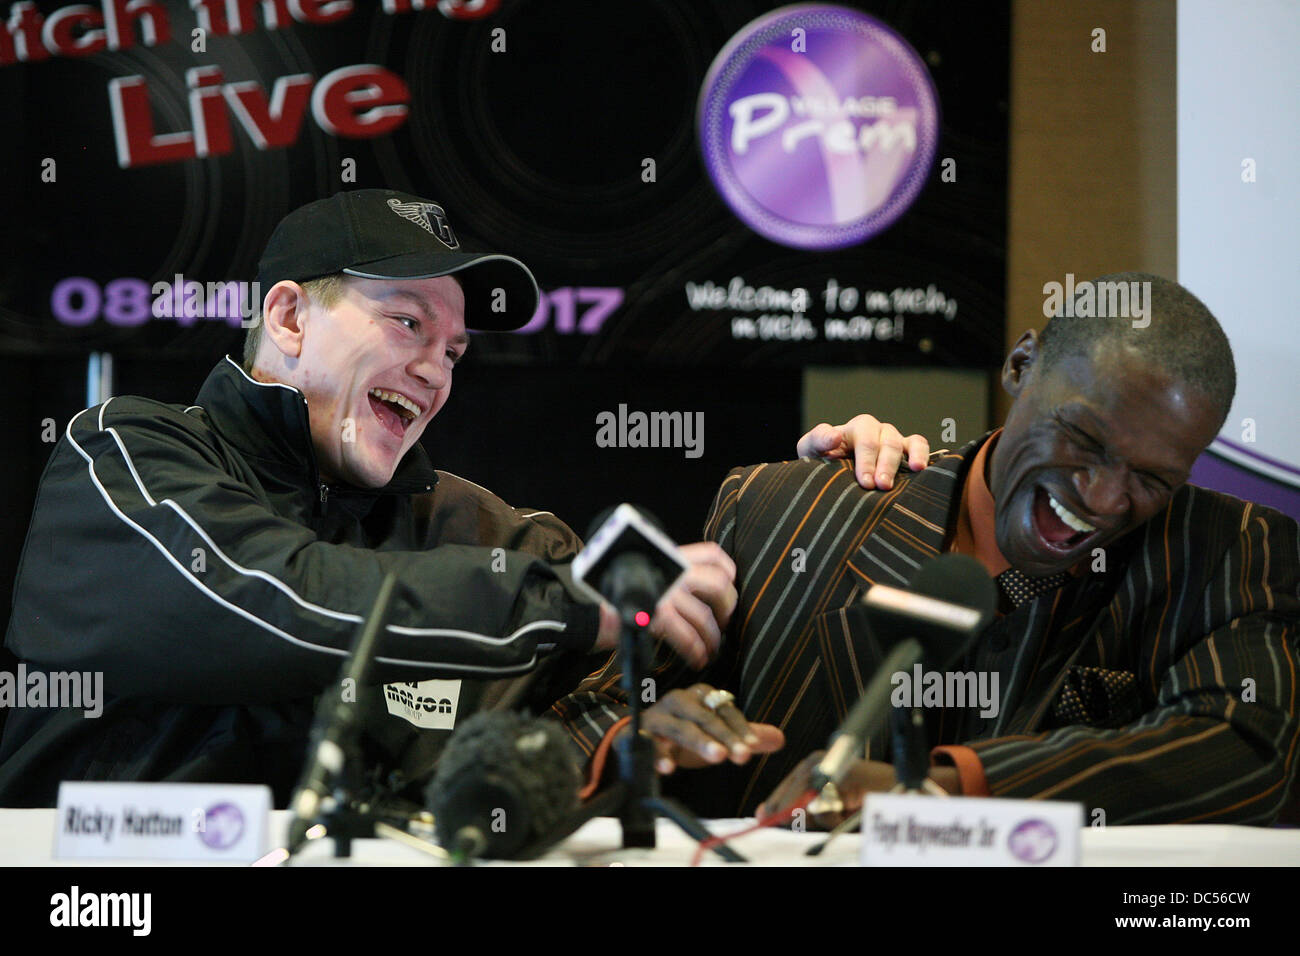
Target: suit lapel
(913, 529)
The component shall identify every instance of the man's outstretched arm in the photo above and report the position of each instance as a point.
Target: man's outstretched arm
(152, 560)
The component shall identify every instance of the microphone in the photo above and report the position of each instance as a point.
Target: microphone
(631, 563)
(333, 737)
(627, 561)
(503, 786)
(948, 602)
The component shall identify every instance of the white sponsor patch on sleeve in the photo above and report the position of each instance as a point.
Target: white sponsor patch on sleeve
(430, 704)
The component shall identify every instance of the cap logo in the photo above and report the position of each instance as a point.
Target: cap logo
(430, 217)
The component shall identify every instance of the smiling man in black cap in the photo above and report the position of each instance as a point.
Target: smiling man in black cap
(213, 562)
(380, 282)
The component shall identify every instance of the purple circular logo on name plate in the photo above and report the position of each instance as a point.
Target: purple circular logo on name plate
(1032, 841)
(223, 825)
(818, 125)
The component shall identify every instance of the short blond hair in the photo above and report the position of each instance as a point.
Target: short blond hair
(325, 292)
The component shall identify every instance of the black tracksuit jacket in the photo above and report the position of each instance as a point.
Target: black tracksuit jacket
(194, 558)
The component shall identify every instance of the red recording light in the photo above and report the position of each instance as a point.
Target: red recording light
(642, 619)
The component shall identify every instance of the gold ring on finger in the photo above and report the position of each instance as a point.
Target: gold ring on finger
(716, 698)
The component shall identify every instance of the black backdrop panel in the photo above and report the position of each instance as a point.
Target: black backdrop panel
(537, 149)
(529, 435)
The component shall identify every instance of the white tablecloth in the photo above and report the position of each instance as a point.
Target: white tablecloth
(27, 839)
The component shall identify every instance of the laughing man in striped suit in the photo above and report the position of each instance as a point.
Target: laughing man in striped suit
(1147, 650)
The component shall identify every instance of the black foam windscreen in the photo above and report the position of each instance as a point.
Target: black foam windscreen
(510, 777)
(955, 579)
(958, 579)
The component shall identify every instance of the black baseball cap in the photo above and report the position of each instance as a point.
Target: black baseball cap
(385, 234)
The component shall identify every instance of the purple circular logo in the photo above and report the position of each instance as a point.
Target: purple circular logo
(1032, 841)
(818, 125)
(223, 825)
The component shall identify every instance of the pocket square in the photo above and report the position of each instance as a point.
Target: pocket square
(1097, 697)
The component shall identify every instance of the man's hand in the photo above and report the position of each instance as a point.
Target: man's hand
(692, 615)
(875, 447)
(864, 776)
(689, 734)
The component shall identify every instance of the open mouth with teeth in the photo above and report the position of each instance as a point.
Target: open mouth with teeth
(394, 411)
(1059, 529)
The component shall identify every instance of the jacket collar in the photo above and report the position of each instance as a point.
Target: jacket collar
(269, 421)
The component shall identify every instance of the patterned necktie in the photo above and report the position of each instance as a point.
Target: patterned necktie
(1022, 589)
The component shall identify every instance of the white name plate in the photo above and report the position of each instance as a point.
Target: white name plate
(214, 822)
(912, 830)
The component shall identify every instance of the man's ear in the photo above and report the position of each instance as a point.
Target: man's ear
(283, 311)
(1016, 369)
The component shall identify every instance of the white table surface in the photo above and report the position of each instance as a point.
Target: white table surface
(27, 839)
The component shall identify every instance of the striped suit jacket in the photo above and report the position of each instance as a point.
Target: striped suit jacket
(1159, 688)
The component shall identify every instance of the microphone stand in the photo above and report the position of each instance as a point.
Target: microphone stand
(641, 803)
(334, 798)
(911, 750)
(631, 563)
(911, 753)
(634, 798)
(636, 750)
